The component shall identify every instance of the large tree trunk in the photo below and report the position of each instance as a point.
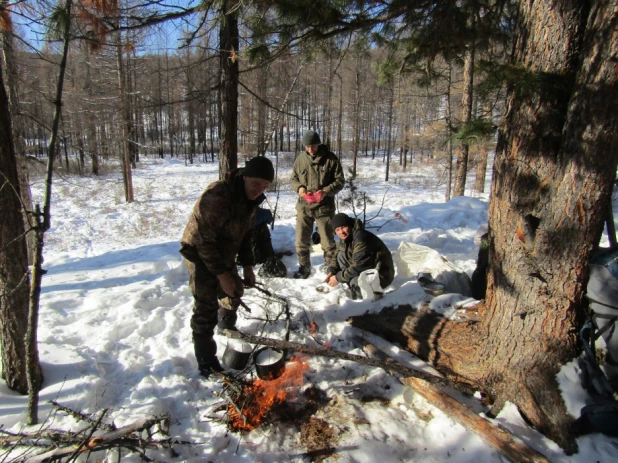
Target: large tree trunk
(14, 285)
(552, 181)
(228, 52)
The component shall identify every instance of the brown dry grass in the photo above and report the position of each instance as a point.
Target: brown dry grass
(319, 438)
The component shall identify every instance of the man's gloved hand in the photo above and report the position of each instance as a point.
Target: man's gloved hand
(231, 284)
(249, 280)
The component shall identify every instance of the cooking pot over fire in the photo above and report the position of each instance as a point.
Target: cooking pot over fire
(269, 363)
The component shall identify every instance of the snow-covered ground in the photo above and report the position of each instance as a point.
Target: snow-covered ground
(114, 324)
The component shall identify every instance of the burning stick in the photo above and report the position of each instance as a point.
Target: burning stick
(237, 409)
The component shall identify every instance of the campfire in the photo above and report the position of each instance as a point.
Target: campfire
(251, 403)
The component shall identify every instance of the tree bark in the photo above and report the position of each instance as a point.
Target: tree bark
(11, 81)
(553, 173)
(228, 56)
(461, 166)
(14, 283)
(261, 140)
(356, 115)
(389, 141)
(449, 144)
(126, 123)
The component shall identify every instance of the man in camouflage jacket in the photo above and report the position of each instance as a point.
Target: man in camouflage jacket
(316, 170)
(220, 230)
(359, 250)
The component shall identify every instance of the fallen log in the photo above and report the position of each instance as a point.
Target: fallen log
(391, 367)
(494, 434)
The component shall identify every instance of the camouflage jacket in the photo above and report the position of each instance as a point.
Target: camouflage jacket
(221, 225)
(364, 251)
(322, 172)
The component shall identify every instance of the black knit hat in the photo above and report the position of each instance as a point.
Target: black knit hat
(259, 167)
(311, 138)
(341, 220)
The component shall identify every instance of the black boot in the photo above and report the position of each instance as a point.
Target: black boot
(206, 355)
(227, 320)
(355, 293)
(304, 265)
(303, 272)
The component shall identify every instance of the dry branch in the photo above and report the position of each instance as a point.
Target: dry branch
(81, 416)
(100, 442)
(388, 366)
(495, 435)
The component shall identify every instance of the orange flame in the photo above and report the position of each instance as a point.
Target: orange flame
(260, 396)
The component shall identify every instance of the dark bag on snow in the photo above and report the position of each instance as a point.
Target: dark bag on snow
(262, 244)
(273, 268)
(601, 418)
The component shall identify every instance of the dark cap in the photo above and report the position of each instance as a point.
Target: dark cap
(259, 167)
(341, 220)
(311, 138)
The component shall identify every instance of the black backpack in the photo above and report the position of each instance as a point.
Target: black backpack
(273, 268)
(602, 293)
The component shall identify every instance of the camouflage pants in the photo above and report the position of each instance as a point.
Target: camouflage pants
(304, 229)
(207, 298)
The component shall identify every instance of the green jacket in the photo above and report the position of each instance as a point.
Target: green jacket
(364, 251)
(221, 226)
(322, 172)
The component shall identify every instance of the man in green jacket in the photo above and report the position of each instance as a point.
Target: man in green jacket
(317, 177)
(219, 231)
(359, 251)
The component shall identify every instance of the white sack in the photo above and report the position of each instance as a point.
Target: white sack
(411, 259)
(369, 283)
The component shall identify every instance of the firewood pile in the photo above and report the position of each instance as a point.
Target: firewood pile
(95, 434)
